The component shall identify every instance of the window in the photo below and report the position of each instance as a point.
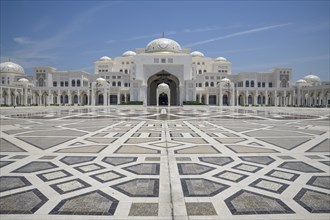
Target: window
(252, 83)
(126, 71)
(200, 84)
(270, 84)
(218, 77)
(247, 83)
(107, 77)
(163, 60)
(126, 84)
(170, 60)
(62, 83)
(194, 62)
(113, 83)
(66, 83)
(40, 82)
(127, 63)
(156, 60)
(263, 84)
(212, 84)
(206, 84)
(206, 77)
(99, 71)
(200, 71)
(54, 84)
(118, 77)
(198, 63)
(78, 83)
(121, 70)
(212, 77)
(204, 71)
(113, 77)
(119, 83)
(203, 63)
(73, 83)
(259, 84)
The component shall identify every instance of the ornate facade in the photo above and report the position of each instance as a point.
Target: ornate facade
(162, 73)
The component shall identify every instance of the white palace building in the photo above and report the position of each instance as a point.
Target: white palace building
(162, 73)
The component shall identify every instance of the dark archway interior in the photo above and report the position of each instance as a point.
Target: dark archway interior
(163, 77)
(163, 99)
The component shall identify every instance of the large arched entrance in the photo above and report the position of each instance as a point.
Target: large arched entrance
(169, 79)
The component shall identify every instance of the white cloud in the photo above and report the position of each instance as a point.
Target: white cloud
(255, 30)
(22, 40)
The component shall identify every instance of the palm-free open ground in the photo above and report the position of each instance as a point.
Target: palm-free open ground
(136, 162)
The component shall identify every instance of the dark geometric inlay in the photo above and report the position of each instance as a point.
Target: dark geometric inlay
(27, 202)
(54, 175)
(193, 169)
(107, 176)
(269, 185)
(221, 161)
(143, 209)
(69, 186)
(201, 187)
(45, 142)
(313, 201)
(139, 187)
(300, 166)
(230, 176)
(7, 146)
(89, 168)
(286, 157)
(144, 169)
(1, 156)
(247, 167)
(264, 160)
(200, 208)
(35, 167)
(5, 163)
(325, 162)
(320, 181)
(116, 161)
(323, 146)
(12, 182)
(282, 175)
(91, 203)
(70, 160)
(250, 203)
(18, 157)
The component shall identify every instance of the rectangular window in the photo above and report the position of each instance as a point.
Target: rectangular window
(170, 60)
(54, 84)
(263, 84)
(62, 83)
(270, 84)
(206, 77)
(113, 77)
(218, 77)
(259, 84)
(107, 77)
(118, 77)
(163, 60)
(156, 60)
(66, 83)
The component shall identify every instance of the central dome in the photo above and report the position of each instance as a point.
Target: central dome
(163, 45)
(10, 67)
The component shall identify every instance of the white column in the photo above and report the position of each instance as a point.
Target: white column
(266, 97)
(220, 97)
(169, 98)
(25, 91)
(276, 99)
(118, 99)
(207, 98)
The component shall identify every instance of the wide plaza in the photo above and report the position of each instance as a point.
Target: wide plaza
(190, 162)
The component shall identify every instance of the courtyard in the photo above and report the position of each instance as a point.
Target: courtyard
(137, 162)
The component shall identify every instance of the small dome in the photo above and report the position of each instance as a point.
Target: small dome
(163, 45)
(220, 59)
(197, 54)
(225, 80)
(312, 79)
(10, 67)
(129, 53)
(101, 80)
(23, 80)
(301, 81)
(163, 85)
(105, 58)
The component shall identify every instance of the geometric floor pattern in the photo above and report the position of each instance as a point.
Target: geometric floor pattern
(196, 162)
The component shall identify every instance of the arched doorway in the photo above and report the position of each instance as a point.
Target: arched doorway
(163, 99)
(169, 79)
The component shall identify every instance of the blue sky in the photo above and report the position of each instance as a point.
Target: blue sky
(253, 35)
